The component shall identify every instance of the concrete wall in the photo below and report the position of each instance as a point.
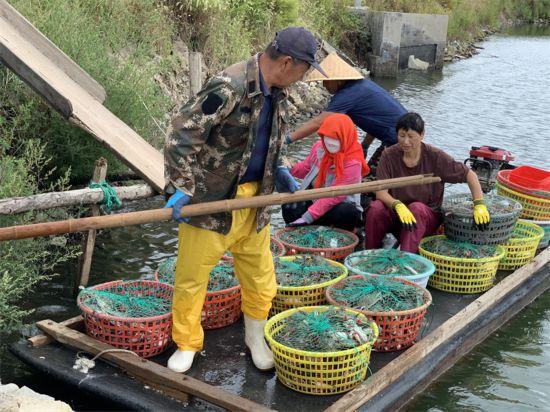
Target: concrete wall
(395, 36)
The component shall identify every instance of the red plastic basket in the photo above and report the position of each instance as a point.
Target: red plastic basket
(337, 253)
(277, 249)
(221, 308)
(504, 178)
(399, 329)
(145, 336)
(531, 178)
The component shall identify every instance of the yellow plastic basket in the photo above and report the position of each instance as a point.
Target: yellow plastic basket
(522, 246)
(319, 373)
(462, 275)
(289, 297)
(536, 208)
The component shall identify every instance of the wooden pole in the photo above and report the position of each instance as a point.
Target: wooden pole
(158, 215)
(79, 197)
(88, 241)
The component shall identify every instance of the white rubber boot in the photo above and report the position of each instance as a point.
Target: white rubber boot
(181, 361)
(254, 340)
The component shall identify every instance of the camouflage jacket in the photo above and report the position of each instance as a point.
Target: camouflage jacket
(210, 141)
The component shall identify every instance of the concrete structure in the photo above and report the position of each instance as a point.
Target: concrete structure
(396, 36)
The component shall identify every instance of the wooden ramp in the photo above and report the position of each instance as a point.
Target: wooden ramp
(73, 93)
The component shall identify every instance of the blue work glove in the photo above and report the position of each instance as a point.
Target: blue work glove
(288, 140)
(284, 182)
(176, 202)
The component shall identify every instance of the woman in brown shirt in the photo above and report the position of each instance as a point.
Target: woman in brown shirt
(413, 212)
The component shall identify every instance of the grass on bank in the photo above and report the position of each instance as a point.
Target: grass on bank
(468, 17)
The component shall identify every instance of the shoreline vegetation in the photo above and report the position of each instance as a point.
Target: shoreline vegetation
(137, 49)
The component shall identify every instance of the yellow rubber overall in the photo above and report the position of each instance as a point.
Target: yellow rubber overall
(201, 249)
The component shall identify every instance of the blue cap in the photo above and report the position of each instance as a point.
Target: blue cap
(300, 43)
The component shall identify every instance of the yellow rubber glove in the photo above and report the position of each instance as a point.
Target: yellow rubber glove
(481, 214)
(405, 215)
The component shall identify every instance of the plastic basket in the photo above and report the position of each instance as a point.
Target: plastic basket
(145, 336)
(289, 297)
(461, 227)
(221, 307)
(531, 177)
(318, 373)
(535, 208)
(337, 253)
(545, 225)
(421, 278)
(397, 329)
(277, 249)
(503, 177)
(462, 275)
(522, 246)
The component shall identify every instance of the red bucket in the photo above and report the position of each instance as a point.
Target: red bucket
(530, 177)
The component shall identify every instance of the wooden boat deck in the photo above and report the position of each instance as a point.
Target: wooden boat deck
(455, 324)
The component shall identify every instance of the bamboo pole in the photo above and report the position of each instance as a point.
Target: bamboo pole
(158, 215)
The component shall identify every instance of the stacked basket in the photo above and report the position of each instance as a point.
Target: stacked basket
(459, 222)
(522, 245)
(222, 306)
(330, 243)
(467, 257)
(531, 187)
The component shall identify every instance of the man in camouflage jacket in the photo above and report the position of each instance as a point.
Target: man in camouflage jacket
(225, 143)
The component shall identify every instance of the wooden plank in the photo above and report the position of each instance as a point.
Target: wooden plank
(40, 340)
(79, 197)
(195, 73)
(64, 93)
(148, 371)
(394, 385)
(54, 97)
(50, 50)
(88, 242)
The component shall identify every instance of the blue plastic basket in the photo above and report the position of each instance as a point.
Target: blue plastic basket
(421, 277)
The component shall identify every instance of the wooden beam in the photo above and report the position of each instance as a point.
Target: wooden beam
(195, 73)
(53, 96)
(56, 55)
(40, 340)
(74, 94)
(147, 371)
(395, 384)
(79, 197)
(228, 205)
(88, 241)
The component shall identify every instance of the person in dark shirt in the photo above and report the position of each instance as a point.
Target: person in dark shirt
(372, 109)
(413, 212)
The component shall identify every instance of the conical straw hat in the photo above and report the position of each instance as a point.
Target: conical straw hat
(336, 69)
